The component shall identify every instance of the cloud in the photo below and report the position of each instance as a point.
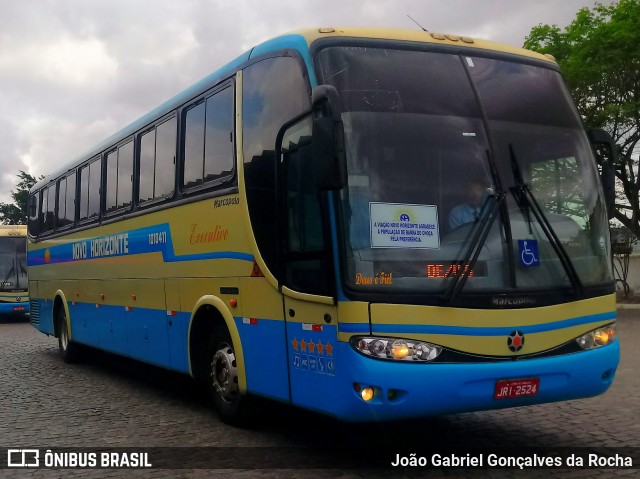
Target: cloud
(72, 72)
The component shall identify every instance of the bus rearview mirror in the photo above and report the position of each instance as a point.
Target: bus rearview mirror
(600, 139)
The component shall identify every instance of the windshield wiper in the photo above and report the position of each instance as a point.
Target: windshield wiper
(4, 281)
(527, 202)
(21, 269)
(488, 213)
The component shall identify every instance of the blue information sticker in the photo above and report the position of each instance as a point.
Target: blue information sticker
(313, 364)
(528, 250)
(322, 365)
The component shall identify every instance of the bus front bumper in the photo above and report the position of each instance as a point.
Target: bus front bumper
(409, 390)
(14, 308)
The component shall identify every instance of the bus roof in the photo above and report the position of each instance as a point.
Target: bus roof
(299, 40)
(313, 34)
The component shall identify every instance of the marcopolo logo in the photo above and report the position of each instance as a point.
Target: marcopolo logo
(515, 341)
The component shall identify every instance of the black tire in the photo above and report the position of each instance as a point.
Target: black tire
(69, 350)
(221, 380)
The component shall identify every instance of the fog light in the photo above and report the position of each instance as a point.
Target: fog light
(367, 394)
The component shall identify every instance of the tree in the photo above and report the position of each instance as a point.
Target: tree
(17, 212)
(599, 54)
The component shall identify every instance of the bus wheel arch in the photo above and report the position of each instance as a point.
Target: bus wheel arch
(216, 360)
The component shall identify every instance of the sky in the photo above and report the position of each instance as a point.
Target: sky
(73, 72)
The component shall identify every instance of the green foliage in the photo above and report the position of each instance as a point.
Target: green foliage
(17, 213)
(599, 53)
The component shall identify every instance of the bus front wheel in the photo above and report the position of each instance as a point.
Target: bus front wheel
(222, 381)
(68, 349)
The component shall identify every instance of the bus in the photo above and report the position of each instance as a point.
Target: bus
(281, 229)
(14, 293)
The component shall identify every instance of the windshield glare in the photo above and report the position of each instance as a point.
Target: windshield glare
(420, 181)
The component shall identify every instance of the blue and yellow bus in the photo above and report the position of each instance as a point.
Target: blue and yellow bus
(372, 224)
(14, 295)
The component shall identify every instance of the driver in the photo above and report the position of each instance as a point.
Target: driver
(469, 210)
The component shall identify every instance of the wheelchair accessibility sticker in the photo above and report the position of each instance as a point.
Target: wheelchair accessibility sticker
(528, 253)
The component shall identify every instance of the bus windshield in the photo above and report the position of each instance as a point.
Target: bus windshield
(432, 138)
(13, 263)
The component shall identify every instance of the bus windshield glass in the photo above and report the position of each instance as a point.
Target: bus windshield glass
(13, 263)
(431, 139)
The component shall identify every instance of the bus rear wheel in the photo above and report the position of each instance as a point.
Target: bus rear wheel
(222, 381)
(69, 350)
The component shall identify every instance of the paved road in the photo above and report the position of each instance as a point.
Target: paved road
(110, 402)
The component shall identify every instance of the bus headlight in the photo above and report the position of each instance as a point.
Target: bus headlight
(399, 349)
(598, 337)
(396, 349)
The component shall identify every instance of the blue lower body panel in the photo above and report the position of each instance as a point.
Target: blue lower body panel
(408, 390)
(147, 335)
(265, 357)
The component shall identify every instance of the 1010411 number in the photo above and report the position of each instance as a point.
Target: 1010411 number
(158, 238)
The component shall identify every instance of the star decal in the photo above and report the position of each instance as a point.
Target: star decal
(312, 346)
(295, 343)
(303, 345)
(329, 349)
(320, 347)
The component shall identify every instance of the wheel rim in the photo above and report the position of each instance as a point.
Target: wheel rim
(224, 374)
(64, 336)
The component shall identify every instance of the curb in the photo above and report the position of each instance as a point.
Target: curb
(628, 306)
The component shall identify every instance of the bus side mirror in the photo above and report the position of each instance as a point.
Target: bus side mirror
(601, 140)
(329, 160)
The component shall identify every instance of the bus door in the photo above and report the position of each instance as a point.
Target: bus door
(306, 274)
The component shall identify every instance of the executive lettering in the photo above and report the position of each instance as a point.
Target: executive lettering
(219, 233)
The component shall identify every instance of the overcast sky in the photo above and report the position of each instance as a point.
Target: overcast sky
(72, 72)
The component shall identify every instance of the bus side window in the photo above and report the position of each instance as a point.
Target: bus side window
(119, 177)
(84, 193)
(61, 217)
(274, 92)
(306, 267)
(34, 216)
(70, 200)
(157, 161)
(48, 208)
(208, 147)
(89, 197)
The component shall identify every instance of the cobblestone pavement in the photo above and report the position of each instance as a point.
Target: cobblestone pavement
(109, 402)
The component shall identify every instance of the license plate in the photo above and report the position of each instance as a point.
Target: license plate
(515, 388)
